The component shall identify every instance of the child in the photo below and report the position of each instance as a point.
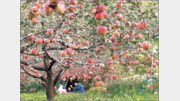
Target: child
(78, 87)
(64, 82)
(62, 85)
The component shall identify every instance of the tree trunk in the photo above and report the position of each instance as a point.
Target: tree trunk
(50, 89)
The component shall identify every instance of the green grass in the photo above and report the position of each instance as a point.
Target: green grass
(114, 92)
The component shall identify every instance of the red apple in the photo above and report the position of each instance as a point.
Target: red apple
(102, 30)
(54, 40)
(85, 43)
(154, 64)
(63, 54)
(114, 76)
(69, 51)
(66, 31)
(116, 34)
(89, 60)
(146, 45)
(50, 31)
(156, 61)
(34, 51)
(99, 16)
(119, 16)
(118, 4)
(39, 41)
(141, 25)
(47, 41)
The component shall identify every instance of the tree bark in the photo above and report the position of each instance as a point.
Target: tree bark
(50, 89)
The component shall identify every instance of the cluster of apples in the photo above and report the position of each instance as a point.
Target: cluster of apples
(34, 12)
(99, 12)
(68, 51)
(54, 5)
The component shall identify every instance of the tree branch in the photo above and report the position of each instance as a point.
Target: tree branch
(35, 67)
(32, 75)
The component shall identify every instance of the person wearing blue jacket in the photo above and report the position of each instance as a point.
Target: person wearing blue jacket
(78, 87)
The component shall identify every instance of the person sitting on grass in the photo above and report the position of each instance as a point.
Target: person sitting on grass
(62, 85)
(70, 83)
(78, 87)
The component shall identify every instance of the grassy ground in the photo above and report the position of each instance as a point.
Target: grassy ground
(114, 92)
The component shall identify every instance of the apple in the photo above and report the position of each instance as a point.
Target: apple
(150, 86)
(102, 46)
(73, 2)
(73, 46)
(118, 4)
(114, 56)
(63, 54)
(102, 30)
(134, 24)
(35, 9)
(36, 74)
(112, 48)
(116, 34)
(146, 45)
(26, 56)
(127, 36)
(139, 44)
(71, 9)
(99, 16)
(66, 31)
(31, 69)
(149, 71)
(34, 20)
(141, 25)
(42, 56)
(119, 16)
(54, 40)
(156, 61)
(138, 36)
(148, 57)
(93, 67)
(114, 76)
(69, 51)
(34, 51)
(102, 65)
(104, 89)
(80, 6)
(101, 8)
(85, 43)
(128, 68)
(154, 64)
(71, 16)
(50, 31)
(90, 60)
(98, 78)
(105, 15)
(140, 49)
(39, 41)
(47, 41)
(37, 5)
(112, 38)
(36, 13)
